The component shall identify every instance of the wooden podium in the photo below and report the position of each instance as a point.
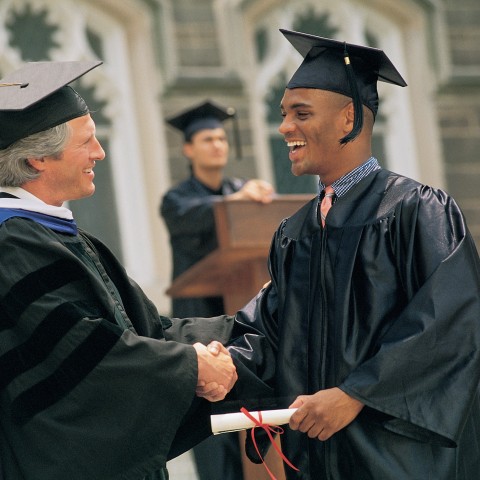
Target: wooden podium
(237, 270)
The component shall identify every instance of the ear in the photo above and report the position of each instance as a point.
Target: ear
(187, 150)
(348, 116)
(37, 163)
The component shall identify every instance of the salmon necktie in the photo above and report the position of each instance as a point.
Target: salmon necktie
(326, 204)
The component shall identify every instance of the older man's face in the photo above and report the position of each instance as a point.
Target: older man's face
(70, 177)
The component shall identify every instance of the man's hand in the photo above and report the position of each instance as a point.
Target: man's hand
(256, 190)
(216, 372)
(324, 413)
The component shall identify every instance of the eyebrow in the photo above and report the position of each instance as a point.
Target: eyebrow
(297, 105)
(215, 135)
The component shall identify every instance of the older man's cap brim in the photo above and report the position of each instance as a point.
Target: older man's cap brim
(36, 81)
(37, 97)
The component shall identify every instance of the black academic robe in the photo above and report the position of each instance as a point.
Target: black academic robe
(187, 210)
(94, 382)
(383, 303)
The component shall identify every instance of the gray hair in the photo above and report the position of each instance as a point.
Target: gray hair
(15, 169)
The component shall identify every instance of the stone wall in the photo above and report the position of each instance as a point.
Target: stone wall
(459, 108)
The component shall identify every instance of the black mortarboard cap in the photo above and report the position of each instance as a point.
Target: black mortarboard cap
(206, 115)
(37, 97)
(345, 68)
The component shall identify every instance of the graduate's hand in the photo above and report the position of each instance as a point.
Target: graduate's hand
(216, 372)
(324, 413)
(256, 190)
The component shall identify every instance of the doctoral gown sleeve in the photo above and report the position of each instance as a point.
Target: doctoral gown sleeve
(82, 397)
(425, 371)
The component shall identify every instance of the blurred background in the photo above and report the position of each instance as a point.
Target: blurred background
(161, 56)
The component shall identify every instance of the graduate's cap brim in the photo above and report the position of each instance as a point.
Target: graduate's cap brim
(37, 80)
(206, 115)
(37, 97)
(374, 57)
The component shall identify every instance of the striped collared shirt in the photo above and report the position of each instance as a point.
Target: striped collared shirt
(349, 180)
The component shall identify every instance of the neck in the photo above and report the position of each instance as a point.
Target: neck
(349, 157)
(211, 178)
(36, 189)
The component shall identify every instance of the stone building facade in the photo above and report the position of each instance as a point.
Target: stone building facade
(161, 56)
(458, 105)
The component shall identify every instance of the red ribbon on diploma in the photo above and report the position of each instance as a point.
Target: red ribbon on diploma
(269, 429)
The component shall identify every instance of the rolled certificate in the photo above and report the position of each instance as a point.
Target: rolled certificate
(232, 422)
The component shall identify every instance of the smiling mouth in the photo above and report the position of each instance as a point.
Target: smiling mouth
(295, 145)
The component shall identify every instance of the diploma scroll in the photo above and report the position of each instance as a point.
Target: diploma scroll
(233, 422)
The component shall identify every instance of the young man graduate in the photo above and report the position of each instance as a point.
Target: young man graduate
(95, 383)
(373, 310)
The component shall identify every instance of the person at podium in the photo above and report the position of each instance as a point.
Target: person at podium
(187, 210)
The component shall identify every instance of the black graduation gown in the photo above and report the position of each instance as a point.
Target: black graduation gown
(94, 382)
(383, 303)
(188, 213)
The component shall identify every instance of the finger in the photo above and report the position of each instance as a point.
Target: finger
(217, 398)
(214, 347)
(308, 426)
(324, 435)
(220, 348)
(213, 396)
(233, 381)
(216, 395)
(296, 419)
(207, 387)
(297, 403)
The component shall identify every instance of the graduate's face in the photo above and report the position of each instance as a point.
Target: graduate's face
(70, 177)
(208, 149)
(313, 123)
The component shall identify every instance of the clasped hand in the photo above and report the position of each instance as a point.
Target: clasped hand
(216, 372)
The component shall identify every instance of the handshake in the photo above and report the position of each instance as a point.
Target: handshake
(216, 372)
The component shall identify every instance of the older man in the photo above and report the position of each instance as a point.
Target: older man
(95, 383)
